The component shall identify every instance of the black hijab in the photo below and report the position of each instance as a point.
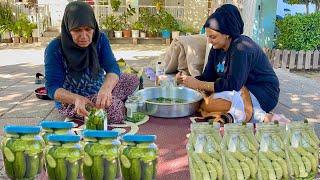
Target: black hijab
(226, 20)
(79, 14)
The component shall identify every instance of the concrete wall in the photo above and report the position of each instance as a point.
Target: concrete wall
(195, 12)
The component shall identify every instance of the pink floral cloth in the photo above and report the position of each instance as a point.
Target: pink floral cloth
(127, 84)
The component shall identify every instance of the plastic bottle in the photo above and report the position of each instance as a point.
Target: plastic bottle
(159, 72)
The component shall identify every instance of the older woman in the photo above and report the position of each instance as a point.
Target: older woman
(238, 73)
(81, 69)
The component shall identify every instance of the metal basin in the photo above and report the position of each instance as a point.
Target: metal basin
(169, 110)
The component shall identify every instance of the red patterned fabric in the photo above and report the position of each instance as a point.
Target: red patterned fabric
(171, 141)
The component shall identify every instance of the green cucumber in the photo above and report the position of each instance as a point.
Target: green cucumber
(125, 161)
(61, 169)
(100, 126)
(148, 171)
(87, 172)
(9, 168)
(106, 141)
(51, 161)
(97, 168)
(33, 165)
(28, 137)
(73, 170)
(61, 131)
(8, 154)
(110, 169)
(87, 160)
(51, 173)
(135, 170)
(19, 165)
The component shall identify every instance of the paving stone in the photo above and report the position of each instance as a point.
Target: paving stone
(31, 107)
(54, 115)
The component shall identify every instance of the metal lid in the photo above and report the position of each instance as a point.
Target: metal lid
(139, 138)
(64, 138)
(100, 134)
(57, 124)
(22, 129)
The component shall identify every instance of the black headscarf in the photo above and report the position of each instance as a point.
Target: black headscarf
(79, 14)
(226, 20)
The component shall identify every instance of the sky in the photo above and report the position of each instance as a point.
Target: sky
(293, 8)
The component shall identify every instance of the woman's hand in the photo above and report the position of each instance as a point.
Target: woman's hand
(179, 77)
(190, 82)
(80, 103)
(104, 98)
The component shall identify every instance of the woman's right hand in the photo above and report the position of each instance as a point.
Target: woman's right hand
(179, 77)
(80, 105)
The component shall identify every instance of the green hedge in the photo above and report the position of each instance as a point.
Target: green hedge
(299, 32)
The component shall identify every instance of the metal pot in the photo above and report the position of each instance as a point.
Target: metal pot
(169, 110)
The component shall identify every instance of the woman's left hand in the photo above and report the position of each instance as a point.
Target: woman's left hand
(104, 98)
(190, 82)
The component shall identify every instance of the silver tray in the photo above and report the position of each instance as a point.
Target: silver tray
(169, 110)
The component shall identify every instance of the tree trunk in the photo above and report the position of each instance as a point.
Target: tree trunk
(307, 7)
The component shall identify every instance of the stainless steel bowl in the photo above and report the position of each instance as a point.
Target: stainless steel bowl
(169, 110)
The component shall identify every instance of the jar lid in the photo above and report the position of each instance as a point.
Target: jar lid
(22, 129)
(139, 138)
(57, 124)
(100, 134)
(64, 138)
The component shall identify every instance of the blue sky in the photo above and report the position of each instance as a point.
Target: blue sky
(293, 8)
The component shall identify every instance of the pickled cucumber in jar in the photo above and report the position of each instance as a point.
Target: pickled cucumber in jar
(239, 153)
(56, 127)
(64, 157)
(303, 150)
(204, 152)
(96, 119)
(22, 149)
(101, 155)
(272, 156)
(138, 157)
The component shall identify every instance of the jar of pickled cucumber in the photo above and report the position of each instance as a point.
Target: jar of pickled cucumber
(97, 119)
(63, 157)
(22, 149)
(56, 127)
(138, 157)
(101, 155)
(204, 153)
(239, 154)
(303, 150)
(272, 155)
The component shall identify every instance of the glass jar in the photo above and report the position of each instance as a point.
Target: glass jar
(63, 157)
(22, 149)
(204, 153)
(239, 154)
(101, 155)
(303, 149)
(134, 105)
(97, 119)
(56, 127)
(138, 157)
(273, 156)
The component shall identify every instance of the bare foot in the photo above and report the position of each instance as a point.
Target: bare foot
(276, 117)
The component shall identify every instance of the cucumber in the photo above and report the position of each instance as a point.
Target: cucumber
(73, 170)
(33, 164)
(110, 169)
(51, 161)
(87, 159)
(87, 172)
(51, 173)
(135, 170)
(154, 168)
(8, 154)
(61, 131)
(40, 163)
(9, 168)
(100, 126)
(61, 169)
(125, 173)
(28, 137)
(125, 161)
(148, 171)
(143, 145)
(105, 141)
(19, 165)
(97, 169)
